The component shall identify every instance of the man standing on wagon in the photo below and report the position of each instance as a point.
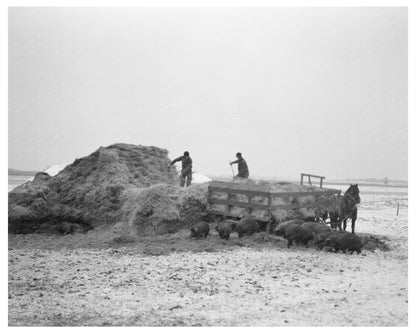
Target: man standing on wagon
(242, 166)
(186, 172)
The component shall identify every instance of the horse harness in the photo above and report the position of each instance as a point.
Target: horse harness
(355, 205)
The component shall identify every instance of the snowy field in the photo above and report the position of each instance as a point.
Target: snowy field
(173, 280)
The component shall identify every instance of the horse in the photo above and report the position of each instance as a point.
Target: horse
(345, 207)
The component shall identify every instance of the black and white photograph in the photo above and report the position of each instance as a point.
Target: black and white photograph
(210, 166)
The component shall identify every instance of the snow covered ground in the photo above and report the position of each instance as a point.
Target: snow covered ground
(66, 281)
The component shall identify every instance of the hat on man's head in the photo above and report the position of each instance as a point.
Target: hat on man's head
(238, 154)
(186, 153)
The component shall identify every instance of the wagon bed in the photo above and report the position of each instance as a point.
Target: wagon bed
(266, 194)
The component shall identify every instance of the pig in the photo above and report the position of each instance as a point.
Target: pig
(344, 241)
(321, 229)
(201, 229)
(312, 225)
(280, 229)
(232, 223)
(297, 233)
(224, 230)
(77, 229)
(246, 226)
(320, 238)
(355, 244)
(65, 228)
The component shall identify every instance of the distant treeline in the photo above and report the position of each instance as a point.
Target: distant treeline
(15, 172)
(400, 184)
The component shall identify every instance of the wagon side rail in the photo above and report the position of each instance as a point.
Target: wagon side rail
(252, 191)
(321, 178)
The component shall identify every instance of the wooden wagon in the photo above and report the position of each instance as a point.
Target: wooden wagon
(261, 198)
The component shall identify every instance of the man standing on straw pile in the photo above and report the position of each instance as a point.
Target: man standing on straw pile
(186, 172)
(242, 166)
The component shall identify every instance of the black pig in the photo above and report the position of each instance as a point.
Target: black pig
(65, 228)
(280, 229)
(321, 229)
(311, 225)
(297, 233)
(355, 243)
(201, 229)
(320, 238)
(224, 230)
(344, 241)
(246, 226)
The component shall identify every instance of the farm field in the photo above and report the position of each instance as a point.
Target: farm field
(172, 280)
(135, 133)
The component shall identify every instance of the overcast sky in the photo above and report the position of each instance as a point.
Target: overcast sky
(315, 90)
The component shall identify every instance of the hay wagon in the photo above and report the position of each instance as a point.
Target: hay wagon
(234, 200)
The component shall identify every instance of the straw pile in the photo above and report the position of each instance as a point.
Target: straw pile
(164, 208)
(121, 183)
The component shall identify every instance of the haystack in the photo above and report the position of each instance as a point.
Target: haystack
(112, 185)
(164, 208)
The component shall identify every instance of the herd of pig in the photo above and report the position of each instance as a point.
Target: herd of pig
(295, 231)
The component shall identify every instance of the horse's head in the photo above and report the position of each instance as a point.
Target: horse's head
(354, 191)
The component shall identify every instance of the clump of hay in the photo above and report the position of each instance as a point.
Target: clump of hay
(373, 242)
(261, 237)
(118, 233)
(165, 208)
(91, 190)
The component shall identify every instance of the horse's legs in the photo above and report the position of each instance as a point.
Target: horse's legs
(353, 224)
